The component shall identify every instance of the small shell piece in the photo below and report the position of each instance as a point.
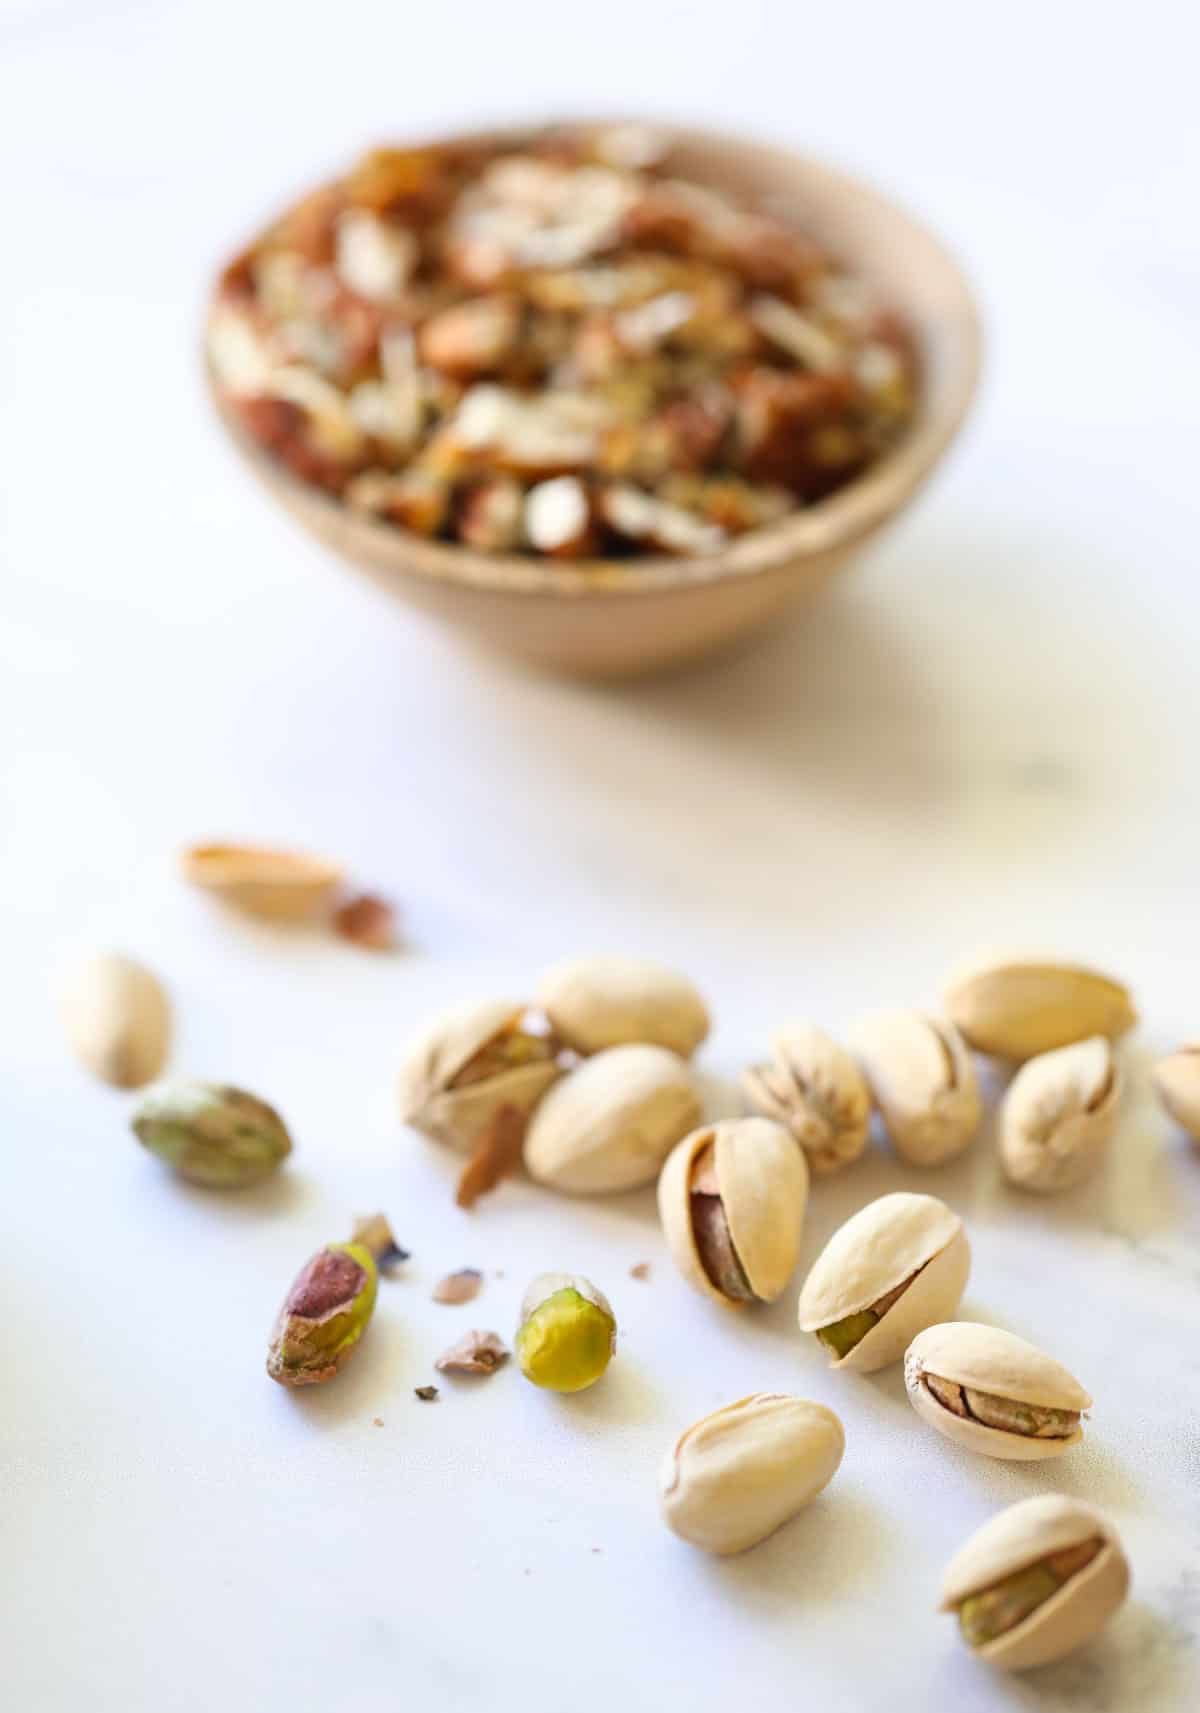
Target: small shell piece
(992, 1392)
(1016, 1008)
(734, 1477)
(898, 1265)
(469, 1064)
(814, 1087)
(284, 886)
(610, 1123)
(595, 1003)
(117, 1020)
(923, 1080)
(1058, 1114)
(1177, 1084)
(743, 1247)
(1084, 1577)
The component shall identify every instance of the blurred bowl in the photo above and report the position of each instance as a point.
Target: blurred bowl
(611, 619)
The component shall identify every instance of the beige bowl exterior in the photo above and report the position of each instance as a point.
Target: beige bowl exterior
(605, 619)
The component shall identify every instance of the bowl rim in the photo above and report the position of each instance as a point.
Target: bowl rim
(836, 522)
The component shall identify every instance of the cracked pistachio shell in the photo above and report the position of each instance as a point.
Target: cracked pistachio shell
(1058, 1114)
(736, 1476)
(762, 1180)
(988, 1359)
(568, 1333)
(458, 1117)
(609, 1123)
(212, 1134)
(876, 1249)
(595, 1003)
(922, 1078)
(1021, 1536)
(324, 1315)
(1016, 1008)
(814, 1087)
(1177, 1084)
(117, 1020)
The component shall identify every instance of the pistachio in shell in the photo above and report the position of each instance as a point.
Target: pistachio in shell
(601, 1002)
(212, 1134)
(609, 1124)
(923, 1081)
(1058, 1115)
(471, 1063)
(1015, 1007)
(1177, 1084)
(117, 1019)
(813, 1086)
(324, 1315)
(993, 1392)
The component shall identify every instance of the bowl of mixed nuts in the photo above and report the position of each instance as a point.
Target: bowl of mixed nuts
(604, 395)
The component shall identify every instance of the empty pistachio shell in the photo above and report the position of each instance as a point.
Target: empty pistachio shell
(610, 1123)
(993, 1392)
(285, 886)
(117, 1020)
(1057, 1115)
(814, 1087)
(212, 1134)
(610, 1002)
(467, 1065)
(731, 1198)
(1016, 1008)
(733, 1478)
(568, 1333)
(898, 1265)
(1036, 1581)
(924, 1083)
(324, 1315)
(1177, 1082)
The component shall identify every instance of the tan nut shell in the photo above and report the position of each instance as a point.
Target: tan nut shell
(762, 1179)
(458, 1117)
(595, 1003)
(814, 1087)
(284, 886)
(117, 1020)
(736, 1476)
(923, 1080)
(1016, 1008)
(1019, 1536)
(610, 1123)
(988, 1359)
(1177, 1084)
(1059, 1112)
(876, 1249)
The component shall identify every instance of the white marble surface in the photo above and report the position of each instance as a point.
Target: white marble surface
(989, 733)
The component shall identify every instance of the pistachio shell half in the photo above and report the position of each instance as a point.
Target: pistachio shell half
(1058, 1114)
(734, 1477)
(284, 886)
(1036, 1581)
(1018, 1007)
(610, 1123)
(993, 1392)
(117, 1020)
(731, 1199)
(898, 1265)
(923, 1080)
(815, 1088)
(1177, 1084)
(595, 1003)
(467, 1065)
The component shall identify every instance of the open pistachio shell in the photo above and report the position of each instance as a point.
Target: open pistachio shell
(1059, 1112)
(432, 1099)
(1177, 1084)
(1003, 1377)
(923, 1080)
(759, 1176)
(815, 1088)
(897, 1238)
(1018, 1007)
(1020, 1538)
(595, 1003)
(285, 886)
(610, 1123)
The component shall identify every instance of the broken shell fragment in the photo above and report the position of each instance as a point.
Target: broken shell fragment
(814, 1087)
(993, 1392)
(1058, 1114)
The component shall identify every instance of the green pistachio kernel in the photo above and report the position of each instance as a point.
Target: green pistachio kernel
(843, 1335)
(996, 1610)
(567, 1335)
(211, 1134)
(324, 1316)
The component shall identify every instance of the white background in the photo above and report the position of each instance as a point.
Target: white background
(989, 733)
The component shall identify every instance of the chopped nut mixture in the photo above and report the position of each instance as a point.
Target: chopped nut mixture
(557, 347)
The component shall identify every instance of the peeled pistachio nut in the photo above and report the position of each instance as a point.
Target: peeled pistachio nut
(923, 1080)
(1036, 1581)
(468, 1065)
(813, 1087)
(595, 1003)
(284, 886)
(731, 1198)
(568, 1333)
(212, 1134)
(1058, 1114)
(1016, 1008)
(610, 1123)
(324, 1315)
(117, 1020)
(898, 1265)
(734, 1477)
(994, 1393)
(1177, 1084)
